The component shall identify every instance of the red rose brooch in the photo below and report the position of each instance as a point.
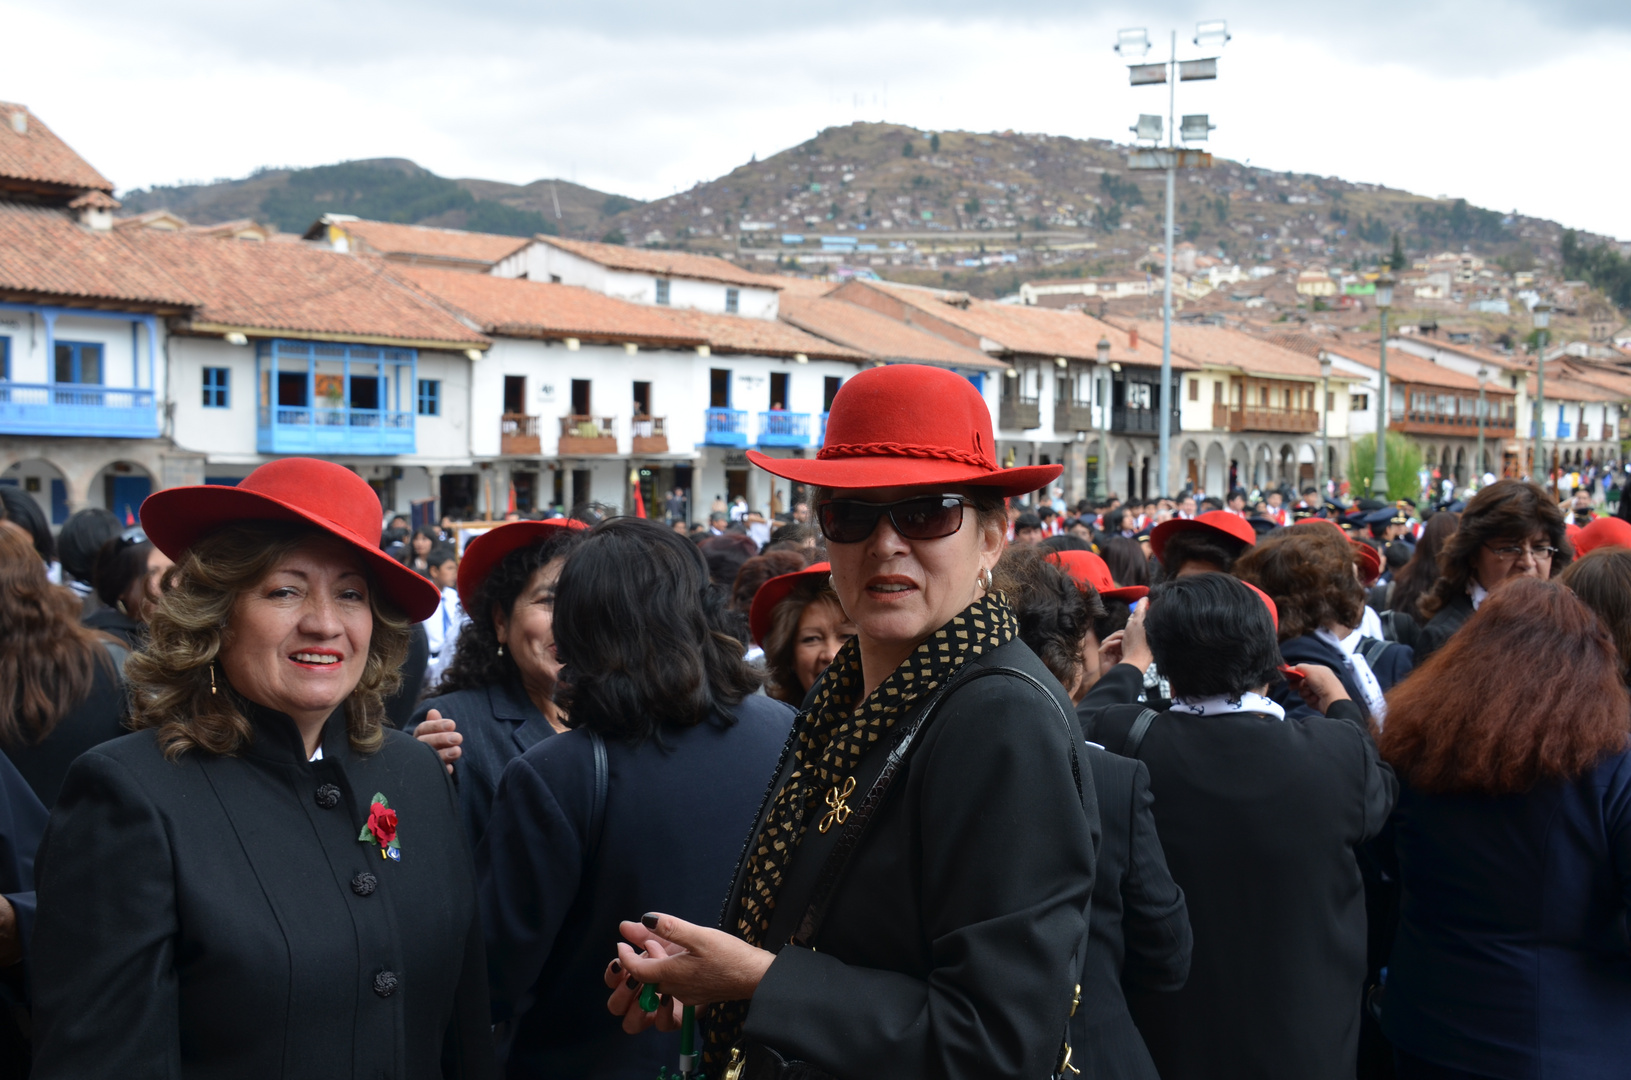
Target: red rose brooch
(381, 828)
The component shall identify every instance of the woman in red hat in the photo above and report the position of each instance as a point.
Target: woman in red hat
(886, 917)
(498, 696)
(798, 621)
(263, 880)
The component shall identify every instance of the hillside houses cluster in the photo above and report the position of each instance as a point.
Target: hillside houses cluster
(465, 373)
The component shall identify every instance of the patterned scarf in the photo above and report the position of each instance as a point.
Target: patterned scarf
(828, 744)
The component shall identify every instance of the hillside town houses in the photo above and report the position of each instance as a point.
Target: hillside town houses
(470, 374)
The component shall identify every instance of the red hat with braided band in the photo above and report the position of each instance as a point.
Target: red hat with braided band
(906, 425)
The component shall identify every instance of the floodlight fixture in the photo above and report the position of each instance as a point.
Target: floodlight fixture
(1483, 376)
(1191, 70)
(1325, 364)
(1134, 42)
(1148, 127)
(1060, 362)
(1214, 33)
(1384, 291)
(1196, 127)
(1146, 74)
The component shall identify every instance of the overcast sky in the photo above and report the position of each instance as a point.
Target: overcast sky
(1512, 104)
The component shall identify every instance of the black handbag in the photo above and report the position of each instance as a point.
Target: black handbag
(755, 1061)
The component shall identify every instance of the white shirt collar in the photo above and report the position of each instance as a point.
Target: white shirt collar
(1478, 593)
(318, 756)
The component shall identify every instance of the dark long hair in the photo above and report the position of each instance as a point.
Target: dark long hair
(1126, 561)
(20, 508)
(476, 662)
(1417, 576)
(637, 649)
(1602, 579)
(1528, 690)
(1506, 510)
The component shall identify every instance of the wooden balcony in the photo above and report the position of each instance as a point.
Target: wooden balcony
(649, 436)
(518, 435)
(587, 435)
(1072, 416)
(1418, 422)
(1014, 415)
(1266, 418)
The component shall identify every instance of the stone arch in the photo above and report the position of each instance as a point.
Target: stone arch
(45, 482)
(1217, 469)
(120, 486)
(1190, 469)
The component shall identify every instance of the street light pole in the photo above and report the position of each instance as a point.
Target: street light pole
(1165, 438)
(1325, 422)
(1102, 380)
(1543, 319)
(1384, 301)
(1483, 378)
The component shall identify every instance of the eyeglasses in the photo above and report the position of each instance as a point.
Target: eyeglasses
(1543, 553)
(927, 517)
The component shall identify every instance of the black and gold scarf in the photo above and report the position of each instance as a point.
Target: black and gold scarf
(829, 743)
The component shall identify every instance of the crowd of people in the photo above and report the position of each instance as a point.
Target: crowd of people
(910, 781)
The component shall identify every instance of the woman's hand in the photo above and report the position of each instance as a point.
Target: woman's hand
(1320, 686)
(625, 999)
(691, 963)
(1127, 646)
(440, 735)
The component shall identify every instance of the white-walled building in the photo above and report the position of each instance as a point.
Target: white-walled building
(661, 278)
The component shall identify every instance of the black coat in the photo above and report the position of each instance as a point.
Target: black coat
(22, 822)
(677, 810)
(954, 941)
(110, 620)
(499, 723)
(1138, 935)
(218, 916)
(1259, 819)
(1445, 622)
(96, 719)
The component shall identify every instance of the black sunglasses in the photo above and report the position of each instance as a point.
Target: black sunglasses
(926, 517)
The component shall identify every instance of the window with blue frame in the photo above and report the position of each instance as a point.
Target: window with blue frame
(733, 301)
(79, 362)
(662, 291)
(430, 397)
(217, 386)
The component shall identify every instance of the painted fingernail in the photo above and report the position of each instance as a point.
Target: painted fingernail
(617, 968)
(633, 983)
(649, 919)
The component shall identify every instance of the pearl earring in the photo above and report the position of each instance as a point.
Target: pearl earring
(501, 650)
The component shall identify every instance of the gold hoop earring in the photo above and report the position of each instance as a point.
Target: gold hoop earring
(983, 579)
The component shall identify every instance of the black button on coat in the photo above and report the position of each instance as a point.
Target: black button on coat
(198, 918)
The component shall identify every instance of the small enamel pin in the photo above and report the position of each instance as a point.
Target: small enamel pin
(381, 828)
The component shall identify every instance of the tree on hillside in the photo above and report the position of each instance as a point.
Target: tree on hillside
(906, 149)
(1397, 261)
(934, 143)
(1602, 267)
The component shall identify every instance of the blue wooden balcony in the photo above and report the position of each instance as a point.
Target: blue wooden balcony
(77, 409)
(778, 428)
(726, 427)
(823, 430)
(298, 430)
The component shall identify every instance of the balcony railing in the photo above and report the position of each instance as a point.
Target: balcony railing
(1422, 421)
(725, 427)
(299, 429)
(587, 435)
(76, 409)
(1563, 429)
(650, 435)
(518, 434)
(1140, 421)
(1269, 418)
(778, 428)
(1069, 416)
(1018, 415)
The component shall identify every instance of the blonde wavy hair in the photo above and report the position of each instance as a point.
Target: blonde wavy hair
(171, 678)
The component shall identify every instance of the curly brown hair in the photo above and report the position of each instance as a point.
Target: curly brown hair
(170, 679)
(1055, 613)
(1308, 571)
(1528, 690)
(1511, 510)
(781, 639)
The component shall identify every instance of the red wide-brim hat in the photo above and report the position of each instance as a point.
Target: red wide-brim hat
(486, 551)
(1602, 532)
(1089, 570)
(1223, 521)
(908, 425)
(328, 497)
(774, 591)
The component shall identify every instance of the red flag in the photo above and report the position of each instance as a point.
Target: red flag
(639, 502)
(130, 519)
(512, 499)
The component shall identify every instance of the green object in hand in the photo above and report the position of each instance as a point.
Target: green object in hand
(648, 998)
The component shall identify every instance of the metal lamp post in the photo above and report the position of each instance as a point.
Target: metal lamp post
(1384, 301)
(1543, 319)
(1483, 379)
(1325, 421)
(1101, 377)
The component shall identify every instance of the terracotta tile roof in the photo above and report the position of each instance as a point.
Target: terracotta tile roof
(1404, 367)
(36, 155)
(1614, 379)
(666, 263)
(299, 289)
(877, 335)
(45, 253)
(800, 286)
(406, 241)
(1504, 361)
(1560, 387)
(764, 337)
(94, 200)
(1221, 347)
(521, 308)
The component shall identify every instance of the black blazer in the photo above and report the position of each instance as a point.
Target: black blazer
(955, 939)
(96, 719)
(1138, 934)
(499, 723)
(22, 822)
(1445, 622)
(219, 917)
(1259, 819)
(677, 810)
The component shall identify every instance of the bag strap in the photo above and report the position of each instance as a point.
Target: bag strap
(832, 870)
(1373, 649)
(1135, 736)
(597, 807)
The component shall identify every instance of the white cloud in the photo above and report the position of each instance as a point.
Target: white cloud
(193, 92)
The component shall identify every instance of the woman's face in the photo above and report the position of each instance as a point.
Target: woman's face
(421, 544)
(297, 640)
(823, 628)
(899, 591)
(143, 594)
(528, 632)
(1499, 560)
